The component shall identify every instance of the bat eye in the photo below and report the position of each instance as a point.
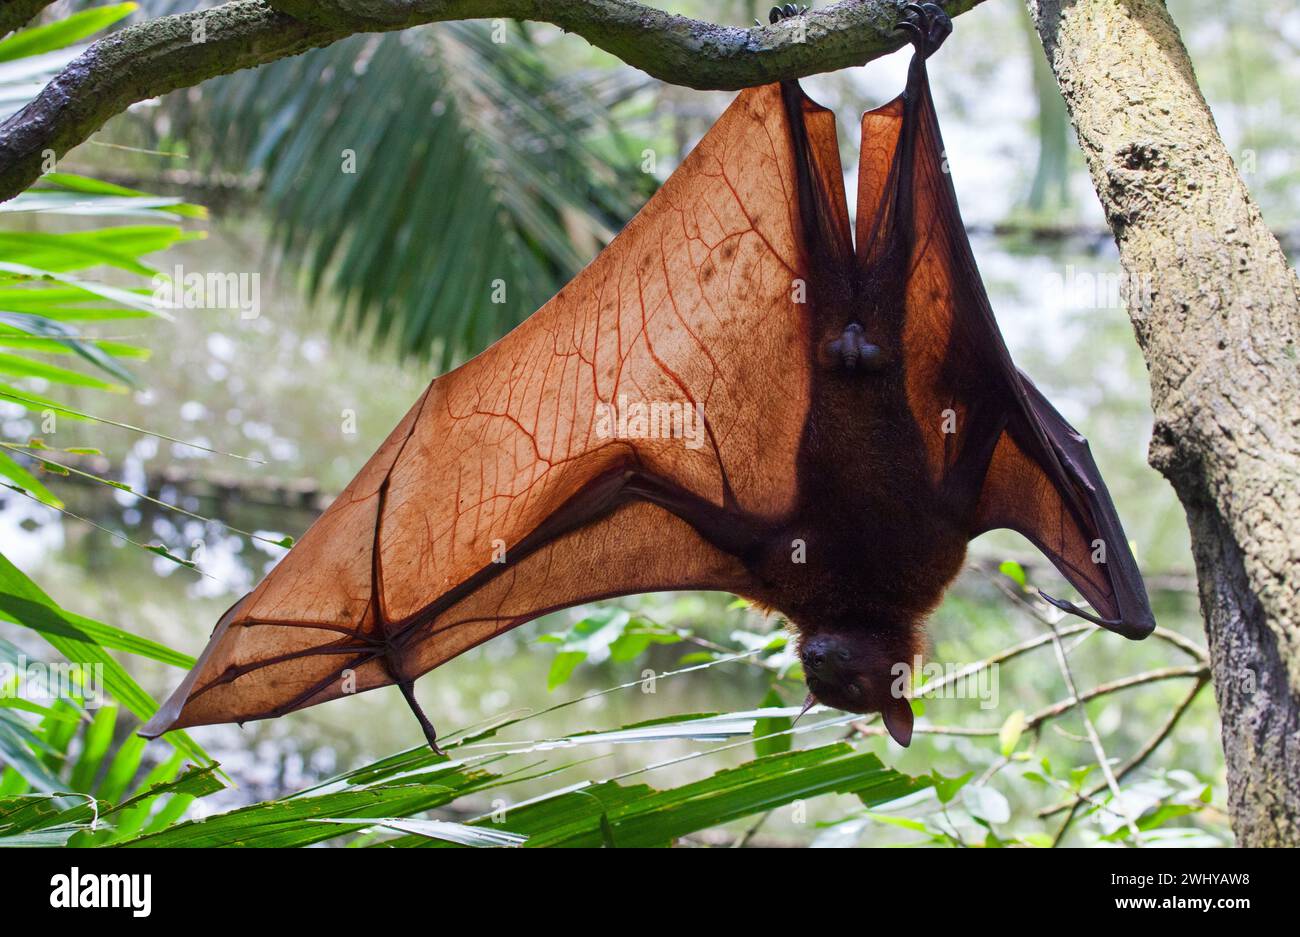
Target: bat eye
(842, 654)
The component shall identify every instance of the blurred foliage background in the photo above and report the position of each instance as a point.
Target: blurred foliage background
(379, 188)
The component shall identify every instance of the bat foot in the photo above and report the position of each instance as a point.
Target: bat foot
(852, 352)
(430, 733)
(789, 11)
(927, 25)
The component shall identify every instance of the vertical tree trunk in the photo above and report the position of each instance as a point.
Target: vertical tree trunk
(1216, 309)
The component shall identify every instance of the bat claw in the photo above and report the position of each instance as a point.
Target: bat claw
(789, 11)
(809, 702)
(928, 30)
(1073, 609)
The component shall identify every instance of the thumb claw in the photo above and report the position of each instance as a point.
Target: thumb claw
(1072, 609)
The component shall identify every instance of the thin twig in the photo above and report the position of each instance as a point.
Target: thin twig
(1094, 739)
(1141, 755)
(1057, 709)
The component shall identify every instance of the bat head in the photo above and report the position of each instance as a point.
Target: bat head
(855, 670)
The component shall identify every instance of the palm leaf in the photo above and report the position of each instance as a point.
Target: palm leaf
(476, 167)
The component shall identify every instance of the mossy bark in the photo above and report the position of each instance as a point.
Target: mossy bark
(17, 13)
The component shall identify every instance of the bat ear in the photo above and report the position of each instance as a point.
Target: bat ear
(897, 715)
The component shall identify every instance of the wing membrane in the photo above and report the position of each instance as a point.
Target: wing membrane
(994, 445)
(503, 494)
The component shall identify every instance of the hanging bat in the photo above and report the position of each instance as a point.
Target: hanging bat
(737, 394)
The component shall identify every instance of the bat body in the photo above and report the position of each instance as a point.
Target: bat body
(738, 394)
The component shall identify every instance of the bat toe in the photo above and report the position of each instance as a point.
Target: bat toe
(927, 25)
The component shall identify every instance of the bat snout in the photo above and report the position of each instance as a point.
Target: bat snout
(846, 670)
(824, 656)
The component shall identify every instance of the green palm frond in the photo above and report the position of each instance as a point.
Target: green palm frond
(483, 180)
(51, 296)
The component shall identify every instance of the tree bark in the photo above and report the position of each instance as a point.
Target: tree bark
(1216, 309)
(16, 13)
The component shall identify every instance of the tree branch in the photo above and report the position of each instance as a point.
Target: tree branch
(17, 13)
(1058, 709)
(1140, 756)
(161, 55)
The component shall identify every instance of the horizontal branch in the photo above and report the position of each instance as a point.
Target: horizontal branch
(1139, 757)
(16, 13)
(161, 55)
(1057, 709)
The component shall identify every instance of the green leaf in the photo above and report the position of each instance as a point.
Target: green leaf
(131, 820)
(26, 367)
(1009, 734)
(62, 32)
(639, 815)
(25, 480)
(771, 725)
(290, 822)
(17, 748)
(946, 788)
(19, 814)
(598, 634)
(118, 247)
(458, 833)
(40, 820)
(628, 647)
(122, 769)
(696, 657)
(36, 403)
(141, 302)
(697, 726)
(562, 667)
(1014, 571)
(48, 837)
(160, 550)
(906, 823)
(1037, 840)
(72, 183)
(94, 747)
(23, 602)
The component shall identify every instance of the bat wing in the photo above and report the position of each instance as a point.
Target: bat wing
(995, 446)
(609, 445)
